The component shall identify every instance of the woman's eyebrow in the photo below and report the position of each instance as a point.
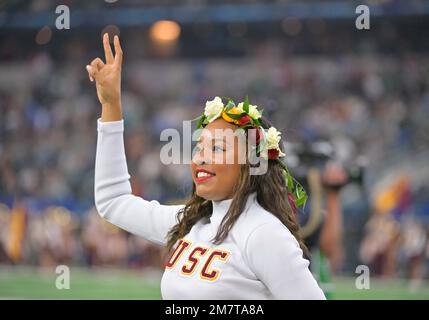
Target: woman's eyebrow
(201, 138)
(221, 140)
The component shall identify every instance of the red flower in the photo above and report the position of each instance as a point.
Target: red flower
(243, 120)
(273, 154)
(255, 135)
(292, 202)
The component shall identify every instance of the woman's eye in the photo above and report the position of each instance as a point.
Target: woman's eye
(197, 149)
(217, 148)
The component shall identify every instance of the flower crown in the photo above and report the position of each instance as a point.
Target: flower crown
(246, 116)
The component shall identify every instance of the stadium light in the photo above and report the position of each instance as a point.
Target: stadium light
(165, 31)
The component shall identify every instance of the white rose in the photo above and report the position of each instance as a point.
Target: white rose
(253, 112)
(273, 140)
(213, 109)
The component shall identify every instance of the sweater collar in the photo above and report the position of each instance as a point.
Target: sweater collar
(220, 208)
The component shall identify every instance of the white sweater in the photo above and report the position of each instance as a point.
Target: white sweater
(260, 258)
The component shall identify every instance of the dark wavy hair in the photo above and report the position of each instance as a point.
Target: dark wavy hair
(272, 195)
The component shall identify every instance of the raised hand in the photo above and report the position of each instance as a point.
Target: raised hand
(334, 176)
(107, 75)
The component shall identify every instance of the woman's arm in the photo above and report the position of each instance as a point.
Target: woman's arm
(112, 189)
(277, 260)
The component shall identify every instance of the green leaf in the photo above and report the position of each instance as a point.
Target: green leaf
(246, 105)
(304, 198)
(289, 182)
(305, 201)
(230, 104)
(298, 192)
(300, 201)
(201, 121)
(235, 116)
(301, 196)
(256, 122)
(197, 118)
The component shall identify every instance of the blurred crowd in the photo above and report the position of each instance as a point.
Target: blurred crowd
(370, 106)
(57, 236)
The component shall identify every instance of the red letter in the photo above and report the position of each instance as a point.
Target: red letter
(188, 270)
(181, 247)
(214, 274)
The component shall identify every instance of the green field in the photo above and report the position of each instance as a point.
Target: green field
(29, 283)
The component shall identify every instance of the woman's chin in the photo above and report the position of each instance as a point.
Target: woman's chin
(202, 192)
(210, 195)
(205, 192)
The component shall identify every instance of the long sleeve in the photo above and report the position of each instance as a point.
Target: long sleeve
(275, 257)
(112, 190)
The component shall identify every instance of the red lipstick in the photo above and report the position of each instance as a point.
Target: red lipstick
(207, 175)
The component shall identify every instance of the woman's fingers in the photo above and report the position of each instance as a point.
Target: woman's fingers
(118, 51)
(107, 49)
(97, 63)
(94, 67)
(91, 72)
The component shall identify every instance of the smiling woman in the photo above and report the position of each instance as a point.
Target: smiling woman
(237, 236)
(215, 166)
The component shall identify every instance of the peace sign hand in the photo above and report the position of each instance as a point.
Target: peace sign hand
(107, 75)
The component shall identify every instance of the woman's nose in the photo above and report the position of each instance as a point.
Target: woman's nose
(200, 163)
(200, 157)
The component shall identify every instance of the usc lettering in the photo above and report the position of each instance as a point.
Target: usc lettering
(214, 274)
(181, 247)
(194, 258)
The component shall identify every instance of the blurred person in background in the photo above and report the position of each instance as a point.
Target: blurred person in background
(4, 233)
(322, 221)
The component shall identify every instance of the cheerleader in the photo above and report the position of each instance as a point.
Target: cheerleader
(237, 236)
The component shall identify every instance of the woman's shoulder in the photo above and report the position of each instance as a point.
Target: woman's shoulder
(254, 218)
(257, 215)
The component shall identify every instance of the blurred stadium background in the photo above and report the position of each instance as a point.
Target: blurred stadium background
(304, 62)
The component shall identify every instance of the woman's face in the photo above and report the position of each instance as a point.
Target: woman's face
(215, 165)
